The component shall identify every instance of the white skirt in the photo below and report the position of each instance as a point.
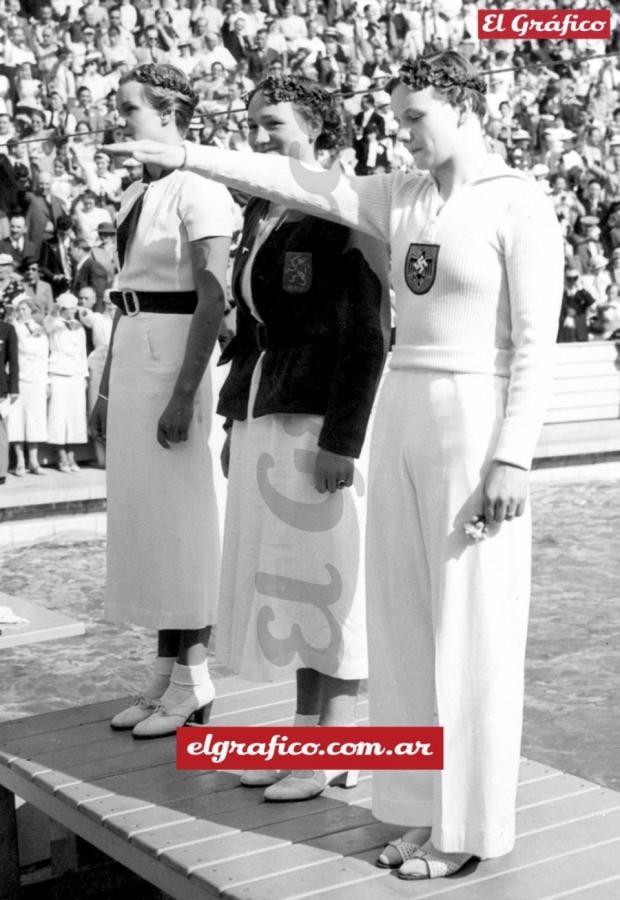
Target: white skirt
(163, 534)
(292, 590)
(28, 415)
(66, 412)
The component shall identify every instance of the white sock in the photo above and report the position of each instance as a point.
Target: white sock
(307, 721)
(160, 677)
(185, 680)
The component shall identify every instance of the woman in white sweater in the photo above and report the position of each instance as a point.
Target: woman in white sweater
(477, 271)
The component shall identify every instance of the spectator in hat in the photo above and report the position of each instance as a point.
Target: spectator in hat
(55, 259)
(27, 424)
(87, 271)
(104, 252)
(576, 301)
(68, 371)
(39, 291)
(17, 244)
(133, 169)
(261, 57)
(88, 216)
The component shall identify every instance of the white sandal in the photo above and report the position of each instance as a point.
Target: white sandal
(404, 849)
(429, 862)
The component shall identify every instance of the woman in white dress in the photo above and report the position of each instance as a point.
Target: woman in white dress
(155, 407)
(28, 417)
(68, 372)
(477, 266)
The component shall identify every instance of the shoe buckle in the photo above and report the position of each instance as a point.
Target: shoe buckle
(131, 303)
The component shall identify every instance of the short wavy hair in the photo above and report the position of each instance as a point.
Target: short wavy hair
(316, 105)
(452, 75)
(167, 89)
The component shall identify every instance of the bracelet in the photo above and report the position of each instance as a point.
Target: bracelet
(183, 164)
(103, 396)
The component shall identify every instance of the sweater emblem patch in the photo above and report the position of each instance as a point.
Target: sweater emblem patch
(297, 274)
(421, 267)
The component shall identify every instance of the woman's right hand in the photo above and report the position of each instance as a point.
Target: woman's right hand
(98, 420)
(225, 456)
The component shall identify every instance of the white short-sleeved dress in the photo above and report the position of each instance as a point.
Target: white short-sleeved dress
(28, 415)
(163, 533)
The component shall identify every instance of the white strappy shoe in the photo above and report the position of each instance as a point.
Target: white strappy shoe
(428, 862)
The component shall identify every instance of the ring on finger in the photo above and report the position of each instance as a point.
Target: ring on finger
(341, 484)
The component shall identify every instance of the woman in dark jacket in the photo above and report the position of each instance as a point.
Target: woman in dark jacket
(312, 319)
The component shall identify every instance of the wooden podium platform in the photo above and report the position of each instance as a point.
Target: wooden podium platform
(199, 835)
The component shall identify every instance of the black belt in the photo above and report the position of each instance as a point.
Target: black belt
(269, 339)
(131, 303)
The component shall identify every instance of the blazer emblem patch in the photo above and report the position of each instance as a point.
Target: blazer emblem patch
(421, 267)
(297, 274)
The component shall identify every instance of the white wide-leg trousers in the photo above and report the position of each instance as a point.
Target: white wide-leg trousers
(447, 618)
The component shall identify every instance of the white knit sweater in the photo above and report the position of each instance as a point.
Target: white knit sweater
(495, 300)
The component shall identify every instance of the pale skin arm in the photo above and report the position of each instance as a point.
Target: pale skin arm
(209, 257)
(98, 419)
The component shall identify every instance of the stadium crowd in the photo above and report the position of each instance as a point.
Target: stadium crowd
(554, 113)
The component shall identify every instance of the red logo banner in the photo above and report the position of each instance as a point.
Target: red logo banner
(544, 24)
(296, 747)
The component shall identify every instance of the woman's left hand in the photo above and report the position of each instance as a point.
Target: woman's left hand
(168, 156)
(332, 472)
(173, 425)
(504, 492)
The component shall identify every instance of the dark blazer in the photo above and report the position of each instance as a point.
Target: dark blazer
(91, 274)
(29, 249)
(9, 363)
(259, 62)
(325, 313)
(39, 214)
(50, 266)
(375, 119)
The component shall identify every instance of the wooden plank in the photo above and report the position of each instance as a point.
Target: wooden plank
(160, 753)
(315, 825)
(226, 847)
(60, 718)
(308, 881)
(220, 803)
(9, 857)
(130, 824)
(161, 784)
(352, 841)
(163, 877)
(552, 875)
(157, 841)
(548, 789)
(249, 869)
(565, 809)
(605, 889)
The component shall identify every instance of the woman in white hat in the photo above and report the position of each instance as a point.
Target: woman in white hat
(28, 416)
(68, 371)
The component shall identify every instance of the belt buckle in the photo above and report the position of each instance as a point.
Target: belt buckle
(261, 336)
(135, 303)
